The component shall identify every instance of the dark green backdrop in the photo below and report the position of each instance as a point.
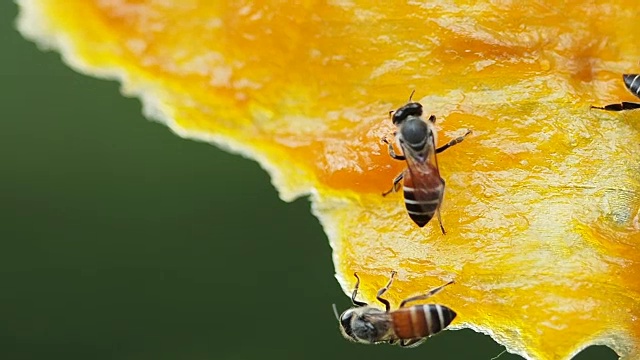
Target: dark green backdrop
(120, 240)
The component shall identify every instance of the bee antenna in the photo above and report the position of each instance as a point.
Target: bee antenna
(411, 96)
(391, 113)
(335, 312)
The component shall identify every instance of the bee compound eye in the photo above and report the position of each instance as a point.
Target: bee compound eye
(411, 109)
(345, 324)
(345, 319)
(398, 116)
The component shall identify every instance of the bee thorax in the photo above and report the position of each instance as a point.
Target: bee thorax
(415, 133)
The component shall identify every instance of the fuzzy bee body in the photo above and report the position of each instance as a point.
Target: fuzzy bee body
(632, 83)
(407, 326)
(423, 186)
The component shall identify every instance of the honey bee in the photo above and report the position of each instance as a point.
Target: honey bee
(632, 82)
(423, 186)
(407, 326)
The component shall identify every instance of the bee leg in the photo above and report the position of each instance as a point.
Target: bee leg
(412, 342)
(618, 107)
(424, 296)
(355, 293)
(392, 152)
(396, 184)
(444, 232)
(387, 306)
(455, 141)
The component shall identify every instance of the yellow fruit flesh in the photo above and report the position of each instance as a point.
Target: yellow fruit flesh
(541, 203)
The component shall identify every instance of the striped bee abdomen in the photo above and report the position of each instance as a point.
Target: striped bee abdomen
(632, 82)
(420, 321)
(422, 202)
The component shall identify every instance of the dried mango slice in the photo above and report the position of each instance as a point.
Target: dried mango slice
(542, 203)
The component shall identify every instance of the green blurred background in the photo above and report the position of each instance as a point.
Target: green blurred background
(120, 240)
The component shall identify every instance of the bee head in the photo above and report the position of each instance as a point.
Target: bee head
(411, 109)
(356, 325)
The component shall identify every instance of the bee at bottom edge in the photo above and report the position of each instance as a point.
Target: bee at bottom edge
(406, 326)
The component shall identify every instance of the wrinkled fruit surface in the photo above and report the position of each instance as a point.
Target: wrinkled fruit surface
(541, 205)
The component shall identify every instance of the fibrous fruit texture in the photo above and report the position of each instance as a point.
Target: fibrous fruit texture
(541, 203)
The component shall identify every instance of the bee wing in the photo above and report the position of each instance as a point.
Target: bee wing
(424, 173)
